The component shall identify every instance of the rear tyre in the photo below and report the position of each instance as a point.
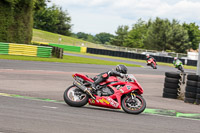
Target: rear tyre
(133, 106)
(75, 97)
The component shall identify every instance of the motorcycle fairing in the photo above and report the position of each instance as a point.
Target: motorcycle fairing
(107, 101)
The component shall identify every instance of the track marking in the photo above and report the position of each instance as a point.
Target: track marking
(54, 101)
(50, 107)
(65, 73)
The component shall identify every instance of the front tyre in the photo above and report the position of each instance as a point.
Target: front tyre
(153, 66)
(133, 106)
(73, 96)
(180, 68)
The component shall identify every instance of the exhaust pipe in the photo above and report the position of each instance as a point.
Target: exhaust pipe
(83, 88)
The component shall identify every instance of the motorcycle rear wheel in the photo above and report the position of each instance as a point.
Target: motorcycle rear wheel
(133, 106)
(73, 96)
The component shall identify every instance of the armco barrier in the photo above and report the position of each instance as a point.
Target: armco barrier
(63, 47)
(192, 62)
(26, 50)
(4, 48)
(117, 53)
(137, 56)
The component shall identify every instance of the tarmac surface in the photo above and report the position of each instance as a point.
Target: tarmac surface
(49, 80)
(20, 115)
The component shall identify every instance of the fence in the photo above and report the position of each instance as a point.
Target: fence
(126, 53)
(70, 48)
(138, 56)
(26, 50)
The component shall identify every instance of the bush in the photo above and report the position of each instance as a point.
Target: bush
(16, 21)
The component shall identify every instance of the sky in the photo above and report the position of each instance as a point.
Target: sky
(96, 16)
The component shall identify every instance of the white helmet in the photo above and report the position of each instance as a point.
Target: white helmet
(147, 55)
(175, 58)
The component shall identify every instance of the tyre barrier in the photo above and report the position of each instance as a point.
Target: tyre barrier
(198, 92)
(191, 88)
(171, 85)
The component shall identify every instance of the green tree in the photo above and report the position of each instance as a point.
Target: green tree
(40, 4)
(86, 37)
(136, 35)
(178, 38)
(157, 35)
(82, 35)
(121, 35)
(194, 34)
(165, 35)
(16, 20)
(104, 37)
(53, 19)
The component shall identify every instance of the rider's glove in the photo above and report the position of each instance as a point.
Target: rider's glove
(126, 76)
(122, 75)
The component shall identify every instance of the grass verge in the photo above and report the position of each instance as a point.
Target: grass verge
(66, 59)
(134, 60)
(44, 36)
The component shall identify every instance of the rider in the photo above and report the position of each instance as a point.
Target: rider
(176, 61)
(120, 71)
(148, 57)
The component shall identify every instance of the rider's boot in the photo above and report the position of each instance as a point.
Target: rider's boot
(84, 88)
(89, 93)
(96, 82)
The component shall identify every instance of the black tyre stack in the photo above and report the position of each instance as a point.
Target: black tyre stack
(198, 92)
(172, 85)
(191, 88)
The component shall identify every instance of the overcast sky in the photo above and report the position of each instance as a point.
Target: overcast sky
(95, 16)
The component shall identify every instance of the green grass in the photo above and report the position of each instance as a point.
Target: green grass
(66, 59)
(48, 37)
(134, 60)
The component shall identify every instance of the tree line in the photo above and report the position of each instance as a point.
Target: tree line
(19, 16)
(159, 34)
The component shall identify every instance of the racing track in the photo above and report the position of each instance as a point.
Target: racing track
(31, 116)
(49, 80)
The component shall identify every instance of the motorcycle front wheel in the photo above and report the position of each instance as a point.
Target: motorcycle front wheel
(180, 68)
(75, 97)
(153, 66)
(133, 106)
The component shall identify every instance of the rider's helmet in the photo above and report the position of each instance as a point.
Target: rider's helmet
(122, 69)
(147, 55)
(175, 58)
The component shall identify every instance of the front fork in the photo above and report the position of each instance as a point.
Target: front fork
(133, 95)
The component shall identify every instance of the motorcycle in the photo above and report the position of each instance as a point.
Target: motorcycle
(113, 93)
(152, 63)
(178, 64)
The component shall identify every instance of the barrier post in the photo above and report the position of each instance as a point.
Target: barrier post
(198, 63)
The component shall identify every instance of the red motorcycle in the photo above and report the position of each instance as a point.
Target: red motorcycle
(113, 93)
(152, 63)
